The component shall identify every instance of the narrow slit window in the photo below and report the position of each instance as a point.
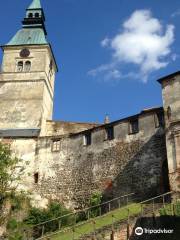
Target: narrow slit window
(27, 67)
(36, 177)
(20, 66)
(169, 113)
(159, 120)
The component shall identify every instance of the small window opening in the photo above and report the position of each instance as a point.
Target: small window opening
(109, 133)
(27, 67)
(51, 64)
(36, 177)
(159, 120)
(36, 15)
(87, 139)
(50, 74)
(169, 113)
(50, 69)
(134, 126)
(20, 66)
(56, 143)
(30, 15)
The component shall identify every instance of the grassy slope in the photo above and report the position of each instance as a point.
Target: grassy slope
(88, 227)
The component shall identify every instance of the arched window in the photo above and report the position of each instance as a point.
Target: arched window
(30, 15)
(27, 67)
(36, 15)
(20, 66)
(169, 113)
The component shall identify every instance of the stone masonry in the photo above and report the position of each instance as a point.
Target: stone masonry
(69, 161)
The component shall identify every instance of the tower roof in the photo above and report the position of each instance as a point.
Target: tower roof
(28, 36)
(36, 4)
(33, 29)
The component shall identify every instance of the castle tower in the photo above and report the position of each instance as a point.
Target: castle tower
(171, 102)
(27, 78)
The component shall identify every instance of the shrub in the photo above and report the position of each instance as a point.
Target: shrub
(12, 224)
(15, 236)
(54, 210)
(168, 209)
(81, 216)
(177, 208)
(19, 201)
(95, 200)
(14, 230)
(37, 216)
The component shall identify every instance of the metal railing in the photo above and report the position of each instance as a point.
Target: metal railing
(151, 205)
(147, 208)
(124, 229)
(69, 221)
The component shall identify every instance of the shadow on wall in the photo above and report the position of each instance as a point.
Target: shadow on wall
(169, 223)
(117, 168)
(145, 173)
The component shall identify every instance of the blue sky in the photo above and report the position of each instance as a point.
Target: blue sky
(109, 52)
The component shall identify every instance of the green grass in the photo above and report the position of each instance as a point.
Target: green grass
(170, 209)
(88, 227)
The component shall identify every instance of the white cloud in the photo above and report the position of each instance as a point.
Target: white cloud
(174, 57)
(176, 13)
(105, 42)
(143, 42)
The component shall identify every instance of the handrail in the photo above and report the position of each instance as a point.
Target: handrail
(162, 195)
(86, 209)
(83, 210)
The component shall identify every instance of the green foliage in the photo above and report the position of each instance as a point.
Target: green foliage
(177, 208)
(14, 230)
(19, 201)
(95, 200)
(15, 236)
(81, 216)
(9, 171)
(38, 216)
(54, 210)
(170, 209)
(12, 224)
(162, 211)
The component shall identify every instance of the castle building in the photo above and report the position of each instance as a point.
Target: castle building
(69, 161)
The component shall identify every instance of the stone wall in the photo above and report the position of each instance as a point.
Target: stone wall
(171, 102)
(128, 163)
(58, 128)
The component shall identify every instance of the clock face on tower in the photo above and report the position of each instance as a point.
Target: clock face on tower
(24, 53)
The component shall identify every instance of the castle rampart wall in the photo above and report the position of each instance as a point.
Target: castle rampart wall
(73, 171)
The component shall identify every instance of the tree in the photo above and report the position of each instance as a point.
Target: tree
(10, 172)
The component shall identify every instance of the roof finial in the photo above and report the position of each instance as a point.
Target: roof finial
(106, 120)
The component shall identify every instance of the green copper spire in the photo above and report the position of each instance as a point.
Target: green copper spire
(33, 29)
(36, 4)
